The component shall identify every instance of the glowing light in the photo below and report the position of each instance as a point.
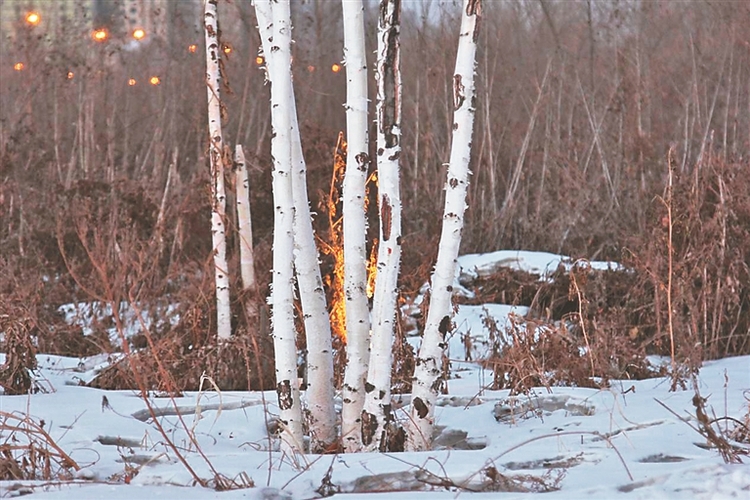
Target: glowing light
(132, 82)
(334, 246)
(336, 67)
(100, 35)
(139, 34)
(70, 75)
(19, 66)
(310, 68)
(33, 18)
(259, 60)
(154, 80)
(227, 49)
(192, 48)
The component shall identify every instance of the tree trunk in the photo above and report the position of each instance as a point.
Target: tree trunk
(376, 414)
(355, 271)
(245, 229)
(283, 328)
(216, 153)
(429, 361)
(320, 390)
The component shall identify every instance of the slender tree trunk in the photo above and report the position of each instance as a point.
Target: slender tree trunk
(283, 328)
(216, 153)
(376, 414)
(358, 160)
(245, 230)
(320, 390)
(429, 361)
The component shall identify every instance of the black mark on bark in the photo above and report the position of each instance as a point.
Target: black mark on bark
(284, 393)
(458, 92)
(386, 216)
(363, 161)
(369, 426)
(445, 325)
(420, 407)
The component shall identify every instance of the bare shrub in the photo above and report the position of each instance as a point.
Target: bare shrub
(27, 451)
(17, 373)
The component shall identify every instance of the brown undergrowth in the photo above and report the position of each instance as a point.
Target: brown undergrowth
(27, 451)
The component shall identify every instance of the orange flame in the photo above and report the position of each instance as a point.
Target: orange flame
(335, 245)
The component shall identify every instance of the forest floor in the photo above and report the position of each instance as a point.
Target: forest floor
(633, 439)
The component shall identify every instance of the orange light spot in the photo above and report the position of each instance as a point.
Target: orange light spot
(192, 48)
(132, 82)
(336, 67)
(139, 34)
(227, 48)
(19, 66)
(310, 68)
(70, 75)
(100, 35)
(154, 80)
(259, 60)
(33, 18)
(334, 246)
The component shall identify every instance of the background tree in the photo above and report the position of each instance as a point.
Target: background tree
(218, 157)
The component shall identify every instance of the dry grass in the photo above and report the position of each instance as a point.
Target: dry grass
(27, 451)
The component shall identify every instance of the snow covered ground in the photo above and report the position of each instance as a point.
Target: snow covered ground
(598, 444)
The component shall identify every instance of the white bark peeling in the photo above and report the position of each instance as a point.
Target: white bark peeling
(320, 390)
(284, 331)
(216, 154)
(429, 361)
(376, 414)
(355, 228)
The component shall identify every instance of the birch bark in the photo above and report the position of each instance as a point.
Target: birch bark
(320, 389)
(354, 230)
(376, 414)
(284, 331)
(438, 324)
(216, 155)
(245, 230)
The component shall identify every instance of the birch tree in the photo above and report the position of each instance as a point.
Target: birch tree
(320, 390)
(284, 332)
(245, 230)
(438, 324)
(376, 414)
(216, 155)
(354, 230)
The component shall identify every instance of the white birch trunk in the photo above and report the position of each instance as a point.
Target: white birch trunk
(284, 331)
(216, 154)
(320, 390)
(245, 230)
(376, 414)
(438, 324)
(354, 230)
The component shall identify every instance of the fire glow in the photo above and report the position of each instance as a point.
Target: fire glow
(334, 246)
